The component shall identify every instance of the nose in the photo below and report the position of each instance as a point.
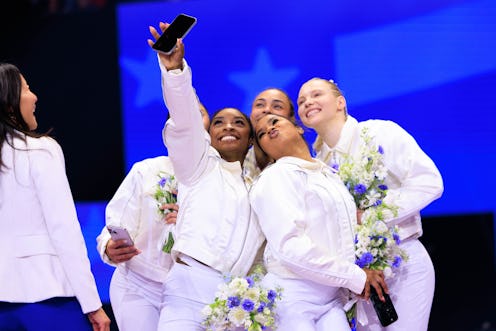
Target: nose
(228, 126)
(308, 102)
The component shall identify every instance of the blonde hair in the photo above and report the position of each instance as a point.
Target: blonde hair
(317, 145)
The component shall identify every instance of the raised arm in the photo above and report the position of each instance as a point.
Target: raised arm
(183, 134)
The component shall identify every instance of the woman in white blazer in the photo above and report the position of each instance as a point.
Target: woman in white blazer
(45, 272)
(307, 216)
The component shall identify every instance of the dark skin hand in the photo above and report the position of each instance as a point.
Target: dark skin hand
(119, 252)
(375, 278)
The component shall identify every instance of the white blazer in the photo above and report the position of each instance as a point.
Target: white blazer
(43, 251)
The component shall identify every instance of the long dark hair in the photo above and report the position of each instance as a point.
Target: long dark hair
(12, 123)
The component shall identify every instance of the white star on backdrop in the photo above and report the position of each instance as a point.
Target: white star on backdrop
(147, 75)
(262, 75)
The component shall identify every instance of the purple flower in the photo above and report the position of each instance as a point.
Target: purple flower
(378, 202)
(396, 238)
(250, 281)
(380, 149)
(233, 302)
(248, 305)
(382, 187)
(360, 189)
(397, 261)
(271, 295)
(365, 259)
(162, 181)
(335, 166)
(378, 237)
(356, 239)
(261, 307)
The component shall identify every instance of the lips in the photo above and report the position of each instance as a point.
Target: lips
(273, 133)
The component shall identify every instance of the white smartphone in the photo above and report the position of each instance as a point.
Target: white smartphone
(118, 233)
(179, 28)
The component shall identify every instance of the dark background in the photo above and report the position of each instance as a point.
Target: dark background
(67, 50)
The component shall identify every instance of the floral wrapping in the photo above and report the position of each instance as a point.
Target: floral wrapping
(166, 192)
(376, 244)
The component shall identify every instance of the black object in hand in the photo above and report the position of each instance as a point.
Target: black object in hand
(385, 310)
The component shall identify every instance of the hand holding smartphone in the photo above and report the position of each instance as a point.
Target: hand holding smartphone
(385, 310)
(179, 28)
(119, 233)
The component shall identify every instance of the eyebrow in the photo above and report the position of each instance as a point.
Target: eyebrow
(235, 117)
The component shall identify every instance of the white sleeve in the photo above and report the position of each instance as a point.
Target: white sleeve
(419, 180)
(184, 134)
(277, 199)
(123, 210)
(55, 197)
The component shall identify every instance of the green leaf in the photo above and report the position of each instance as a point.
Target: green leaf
(168, 244)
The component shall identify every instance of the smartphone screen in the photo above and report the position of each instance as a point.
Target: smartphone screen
(181, 25)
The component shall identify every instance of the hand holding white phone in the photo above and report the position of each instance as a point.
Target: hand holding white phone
(119, 233)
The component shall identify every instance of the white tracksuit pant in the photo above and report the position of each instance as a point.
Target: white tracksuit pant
(188, 289)
(136, 301)
(411, 290)
(308, 306)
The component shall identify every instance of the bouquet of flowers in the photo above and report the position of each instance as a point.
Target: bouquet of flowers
(243, 303)
(376, 244)
(166, 192)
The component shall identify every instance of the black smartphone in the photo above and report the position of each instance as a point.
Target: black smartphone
(385, 310)
(179, 28)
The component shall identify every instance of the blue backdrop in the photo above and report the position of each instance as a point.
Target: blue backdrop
(429, 66)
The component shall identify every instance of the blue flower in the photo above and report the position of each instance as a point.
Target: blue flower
(250, 281)
(353, 324)
(378, 202)
(396, 238)
(397, 261)
(248, 305)
(271, 295)
(335, 166)
(356, 239)
(261, 307)
(383, 187)
(380, 149)
(233, 302)
(360, 189)
(365, 259)
(162, 181)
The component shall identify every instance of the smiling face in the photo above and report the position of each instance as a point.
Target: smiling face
(319, 103)
(271, 101)
(279, 137)
(230, 134)
(27, 105)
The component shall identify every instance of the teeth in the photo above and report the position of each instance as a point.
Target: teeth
(312, 112)
(228, 138)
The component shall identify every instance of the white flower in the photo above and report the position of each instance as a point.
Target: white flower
(207, 310)
(238, 316)
(228, 311)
